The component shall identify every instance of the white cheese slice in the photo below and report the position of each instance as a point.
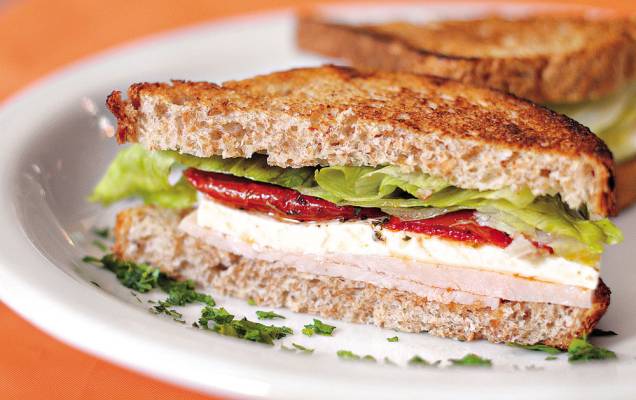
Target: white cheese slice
(363, 239)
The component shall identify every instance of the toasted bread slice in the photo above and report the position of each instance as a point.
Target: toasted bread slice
(150, 234)
(548, 59)
(475, 138)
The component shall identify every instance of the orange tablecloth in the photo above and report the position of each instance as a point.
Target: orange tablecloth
(37, 36)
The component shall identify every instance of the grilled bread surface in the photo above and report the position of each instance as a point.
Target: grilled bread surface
(475, 138)
(548, 59)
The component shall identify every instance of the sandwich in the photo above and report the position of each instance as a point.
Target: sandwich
(406, 201)
(579, 66)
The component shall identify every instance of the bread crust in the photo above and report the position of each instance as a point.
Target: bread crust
(150, 234)
(476, 138)
(553, 58)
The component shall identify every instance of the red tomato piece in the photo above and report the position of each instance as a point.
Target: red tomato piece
(458, 225)
(267, 198)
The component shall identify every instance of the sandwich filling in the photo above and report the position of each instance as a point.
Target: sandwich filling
(378, 225)
(612, 118)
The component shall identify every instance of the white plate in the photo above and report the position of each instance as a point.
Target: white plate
(51, 156)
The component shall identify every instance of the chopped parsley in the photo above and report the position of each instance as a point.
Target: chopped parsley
(268, 315)
(302, 348)
(143, 278)
(551, 358)
(225, 324)
(92, 260)
(536, 347)
(319, 328)
(251, 301)
(163, 307)
(393, 339)
(350, 356)
(103, 233)
(100, 245)
(297, 349)
(388, 361)
(418, 361)
(600, 332)
(181, 293)
(139, 277)
(582, 350)
(133, 294)
(471, 360)
(218, 315)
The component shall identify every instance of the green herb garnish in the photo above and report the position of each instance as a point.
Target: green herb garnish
(103, 233)
(92, 260)
(163, 307)
(133, 294)
(225, 324)
(420, 362)
(536, 347)
(251, 301)
(319, 328)
(218, 315)
(349, 355)
(268, 315)
(471, 360)
(582, 350)
(303, 348)
(100, 245)
(393, 339)
(600, 332)
(388, 361)
(181, 293)
(139, 277)
(143, 278)
(551, 358)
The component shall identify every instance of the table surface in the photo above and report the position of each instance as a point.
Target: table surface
(40, 36)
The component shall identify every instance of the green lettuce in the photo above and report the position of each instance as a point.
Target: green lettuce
(612, 118)
(376, 187)
(136, 172)
(255, 168)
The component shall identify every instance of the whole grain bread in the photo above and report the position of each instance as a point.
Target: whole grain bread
(150, 234)
(475, 138)
(548, 59)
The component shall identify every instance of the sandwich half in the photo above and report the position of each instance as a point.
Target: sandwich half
(405, 201)
(582, 67)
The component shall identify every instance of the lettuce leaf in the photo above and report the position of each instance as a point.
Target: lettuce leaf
(387, 188)
(136, 172)
(550, 215)
(255, 168)
(376, 187)
(621, 135)
(612, 118)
